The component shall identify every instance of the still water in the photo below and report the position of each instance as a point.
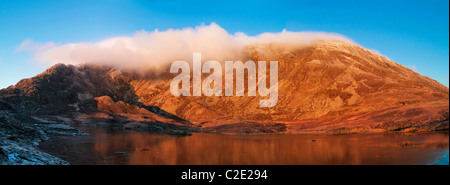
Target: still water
(105, 146)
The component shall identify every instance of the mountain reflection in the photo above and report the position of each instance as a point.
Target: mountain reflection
(114, 147)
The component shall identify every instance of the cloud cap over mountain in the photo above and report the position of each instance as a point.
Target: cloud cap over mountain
(155, 48)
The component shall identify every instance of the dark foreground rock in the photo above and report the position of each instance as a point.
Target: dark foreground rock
(20, 135)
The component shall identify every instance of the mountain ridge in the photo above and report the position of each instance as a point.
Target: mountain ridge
(321, 87)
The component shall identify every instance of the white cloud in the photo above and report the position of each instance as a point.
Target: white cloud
(34, 47)
(153, 49)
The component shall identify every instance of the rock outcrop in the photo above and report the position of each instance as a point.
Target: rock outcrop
(20, 135)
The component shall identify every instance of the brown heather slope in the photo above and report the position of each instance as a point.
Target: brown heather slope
(327, 87)
(330, 86)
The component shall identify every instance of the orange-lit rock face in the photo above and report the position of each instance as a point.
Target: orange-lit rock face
(330, 81)
(326, 87)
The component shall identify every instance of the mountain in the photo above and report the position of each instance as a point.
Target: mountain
(325, 87)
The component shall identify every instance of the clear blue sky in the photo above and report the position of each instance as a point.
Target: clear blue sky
(412, 33)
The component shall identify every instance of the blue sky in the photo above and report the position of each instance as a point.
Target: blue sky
(412, 33)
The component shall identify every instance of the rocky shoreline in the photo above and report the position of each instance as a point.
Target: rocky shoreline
(19, 139)
(21, 132)
(20, 135)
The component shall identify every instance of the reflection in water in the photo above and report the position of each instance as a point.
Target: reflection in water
(131, 147)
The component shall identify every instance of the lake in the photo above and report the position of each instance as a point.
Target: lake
(108, 147)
